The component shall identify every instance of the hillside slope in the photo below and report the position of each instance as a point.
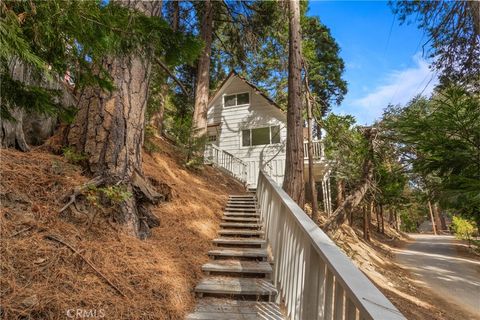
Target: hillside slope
(44, 279)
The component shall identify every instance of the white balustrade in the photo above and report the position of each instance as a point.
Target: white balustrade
(315, 279)
(227, 161)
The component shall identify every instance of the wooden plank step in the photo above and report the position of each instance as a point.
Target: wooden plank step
(240, 225)
(239, 252)
(240, 232)
(241, 205)
(241, 219)
(225, 309)
(239, 241)
(233, 209)
(241, 214)
(244, 197)
(237, 266)
(236, 286)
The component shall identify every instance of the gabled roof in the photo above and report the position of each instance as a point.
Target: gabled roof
(254, 87)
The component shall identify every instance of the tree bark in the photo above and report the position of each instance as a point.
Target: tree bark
(475, 11)
(109, 130)
(311, 179)
(340, 191)
(293, 182)
(439, 219)
(366, 222)
(434, 228)
(382, 220)
(203, 73)
(354, 199)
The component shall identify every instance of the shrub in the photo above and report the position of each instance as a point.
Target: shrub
(463, 228)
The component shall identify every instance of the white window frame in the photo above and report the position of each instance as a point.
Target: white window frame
(269, 133)
(236, 94)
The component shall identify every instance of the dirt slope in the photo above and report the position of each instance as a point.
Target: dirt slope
(43, 279)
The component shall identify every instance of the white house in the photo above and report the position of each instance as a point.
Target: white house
(247, 131)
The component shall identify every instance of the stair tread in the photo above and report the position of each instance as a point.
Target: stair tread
(241, 232)
(238, 286)
(241, 224)
(226, 309)
(239, 252)
(241, 219)
(240, 209)
(237, 266)
(239, 241)
(241, 214)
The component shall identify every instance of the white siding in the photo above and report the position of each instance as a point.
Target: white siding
(259, 113)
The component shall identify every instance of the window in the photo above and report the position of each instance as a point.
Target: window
(236, 99)
(212, 138)
(260, 136)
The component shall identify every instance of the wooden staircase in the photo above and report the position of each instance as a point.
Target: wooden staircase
(238, 283)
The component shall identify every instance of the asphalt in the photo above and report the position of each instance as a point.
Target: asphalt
(436, 262)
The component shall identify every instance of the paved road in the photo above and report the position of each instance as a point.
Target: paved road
(434, 260)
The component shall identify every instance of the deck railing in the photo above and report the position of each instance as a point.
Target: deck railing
(314, 278)
(227, 161)
(318, 150)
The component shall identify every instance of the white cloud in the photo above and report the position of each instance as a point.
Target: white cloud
(399, 87)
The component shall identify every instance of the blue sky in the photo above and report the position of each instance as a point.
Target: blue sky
(383, 61)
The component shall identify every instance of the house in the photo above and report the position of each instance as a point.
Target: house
(247, 132)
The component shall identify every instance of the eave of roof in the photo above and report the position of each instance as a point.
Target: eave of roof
(254, 87)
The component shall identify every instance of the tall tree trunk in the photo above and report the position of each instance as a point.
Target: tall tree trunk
(340, 191)
(293, 182)
(439, 218)
(203, 72)
(366, 221)
(434, 227)
(382, 220)
(377, 214)
(109, 129)
(354, 199)
(475, 11)
(311, 179)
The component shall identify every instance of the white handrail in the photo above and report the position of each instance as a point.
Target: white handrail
(315, 279)
(225, 160)
(318, 149)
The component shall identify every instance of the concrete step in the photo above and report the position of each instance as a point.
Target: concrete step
(239, 253)
(240, 225)
(226, 309)
(236, 287)
(241, 232)
(239, 241)
(237, 266)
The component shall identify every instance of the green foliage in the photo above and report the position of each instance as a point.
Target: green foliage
(463, 228)
(73, 156)
(115, 195)
(149, 145)
(451, 34)
(54, 37)
(439, 141)
(345, 146)
(408, 222)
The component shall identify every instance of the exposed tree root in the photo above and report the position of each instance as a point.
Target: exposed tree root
(53, 238)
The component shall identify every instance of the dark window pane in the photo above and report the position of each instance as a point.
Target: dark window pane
(230, 100)
(260, 136)
(246, 138)
(275, 134)
(243, 98)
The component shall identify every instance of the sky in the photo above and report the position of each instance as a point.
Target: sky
(383, 59)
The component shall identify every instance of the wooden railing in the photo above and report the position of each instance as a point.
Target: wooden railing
(318, 150)
(314, 278)
(227, 161)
